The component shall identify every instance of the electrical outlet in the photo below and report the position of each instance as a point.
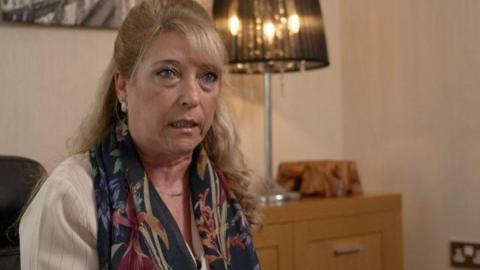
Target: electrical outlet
(465, 255)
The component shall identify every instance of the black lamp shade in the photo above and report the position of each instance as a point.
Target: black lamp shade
(272, 35)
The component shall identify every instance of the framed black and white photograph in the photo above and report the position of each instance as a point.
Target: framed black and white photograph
(89, 13)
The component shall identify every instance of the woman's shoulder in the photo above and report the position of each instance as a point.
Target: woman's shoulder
(67, 191)
(78, 164)
(74, 172)
(70, 182)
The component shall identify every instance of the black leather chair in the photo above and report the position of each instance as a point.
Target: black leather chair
(18, 176)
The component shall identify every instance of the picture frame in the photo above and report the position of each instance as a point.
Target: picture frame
(82, 13)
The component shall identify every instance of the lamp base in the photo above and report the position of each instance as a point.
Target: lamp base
(275, 197)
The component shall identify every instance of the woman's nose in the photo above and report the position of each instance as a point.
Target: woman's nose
(190, 93)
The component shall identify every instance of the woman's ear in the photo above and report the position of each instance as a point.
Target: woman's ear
(120, 86)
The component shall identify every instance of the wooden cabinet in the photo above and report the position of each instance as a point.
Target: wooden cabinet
(352, 233)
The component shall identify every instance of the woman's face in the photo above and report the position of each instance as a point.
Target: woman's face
(171, 99)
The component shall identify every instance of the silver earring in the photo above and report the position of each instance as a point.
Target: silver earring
(123, 106)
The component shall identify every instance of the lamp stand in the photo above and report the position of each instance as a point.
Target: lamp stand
(267, 86)
(274, 195)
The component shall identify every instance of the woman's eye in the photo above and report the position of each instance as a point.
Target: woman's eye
(167, 73)
(210, 77)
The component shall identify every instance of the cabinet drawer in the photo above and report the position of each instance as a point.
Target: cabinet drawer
(274, 244)
(343, 243)
(350, 253)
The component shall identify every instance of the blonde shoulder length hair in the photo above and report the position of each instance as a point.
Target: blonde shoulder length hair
(144, 23)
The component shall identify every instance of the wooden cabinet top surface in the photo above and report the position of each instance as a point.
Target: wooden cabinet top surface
(313, 208)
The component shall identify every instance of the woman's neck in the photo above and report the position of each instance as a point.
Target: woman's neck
(167, 172)
(169, 176)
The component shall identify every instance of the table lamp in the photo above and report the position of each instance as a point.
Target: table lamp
(272, 36)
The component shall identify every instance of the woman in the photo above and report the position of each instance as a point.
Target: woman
(159, 181)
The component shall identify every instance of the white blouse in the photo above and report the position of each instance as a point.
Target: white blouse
(59, 228)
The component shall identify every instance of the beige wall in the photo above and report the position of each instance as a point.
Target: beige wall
(411, 111)
(47, 81)
(48, 78)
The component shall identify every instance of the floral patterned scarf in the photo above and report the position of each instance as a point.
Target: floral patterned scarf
(136, 229)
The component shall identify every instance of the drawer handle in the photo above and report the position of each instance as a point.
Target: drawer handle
(348, 250)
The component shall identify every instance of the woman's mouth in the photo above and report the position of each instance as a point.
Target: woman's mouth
(185, 124)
